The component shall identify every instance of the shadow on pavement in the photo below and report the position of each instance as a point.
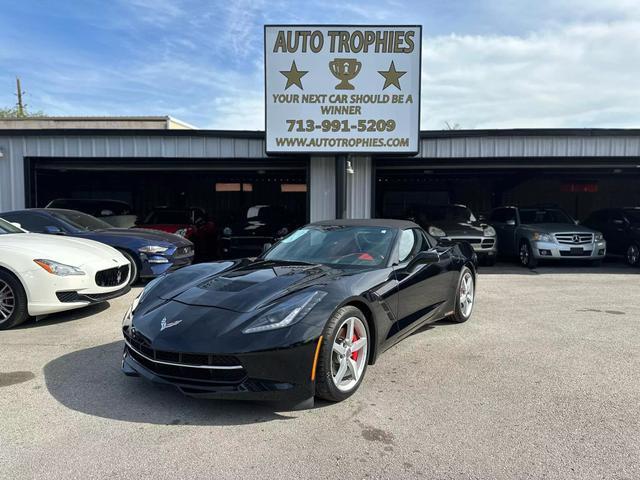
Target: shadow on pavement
(559, 267)
(90, 381)
(63, 317)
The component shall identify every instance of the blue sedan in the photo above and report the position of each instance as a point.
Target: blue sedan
(150, 252)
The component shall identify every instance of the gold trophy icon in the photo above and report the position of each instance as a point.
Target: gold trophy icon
(345, 69)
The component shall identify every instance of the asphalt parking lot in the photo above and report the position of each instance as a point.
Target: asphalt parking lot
(542, 382)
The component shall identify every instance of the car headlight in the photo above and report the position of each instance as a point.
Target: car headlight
(153, 249)
(227, 232)
(599, 237)
(59, 269)
(542, 237)
(286, 313)
(436, 232)
(489, 231)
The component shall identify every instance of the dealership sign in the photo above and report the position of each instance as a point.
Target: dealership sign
(342, 89)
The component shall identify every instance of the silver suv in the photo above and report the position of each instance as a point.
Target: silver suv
(536, 233)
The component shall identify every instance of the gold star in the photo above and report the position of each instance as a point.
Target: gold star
(294, 76)
(391, 76)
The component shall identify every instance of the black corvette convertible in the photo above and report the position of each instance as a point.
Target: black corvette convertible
(304, 319)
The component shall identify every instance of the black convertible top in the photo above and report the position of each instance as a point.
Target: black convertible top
(369, 222)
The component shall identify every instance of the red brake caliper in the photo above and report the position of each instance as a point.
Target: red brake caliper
(354, 355)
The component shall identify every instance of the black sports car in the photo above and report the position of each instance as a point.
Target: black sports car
(304, 319)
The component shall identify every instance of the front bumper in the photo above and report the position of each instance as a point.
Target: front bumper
(47, 293)
(483, 246)
(557, 251)
(271, 375)
(156, 265)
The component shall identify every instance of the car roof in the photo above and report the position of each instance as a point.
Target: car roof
(368, 222)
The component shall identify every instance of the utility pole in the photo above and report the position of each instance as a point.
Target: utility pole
(20, 104)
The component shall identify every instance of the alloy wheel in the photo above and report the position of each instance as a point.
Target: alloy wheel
(466, 294)
(524, 254)
(349, 354)
(7, 301)
(633, 254)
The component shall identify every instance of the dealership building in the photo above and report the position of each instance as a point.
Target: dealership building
(154, 161)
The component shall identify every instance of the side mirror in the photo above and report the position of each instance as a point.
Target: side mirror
(425, 257)
(53, 230)
(511, 222)
(266, 247)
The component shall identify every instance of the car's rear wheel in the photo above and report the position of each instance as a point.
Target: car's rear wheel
(633, 254)
(13, 301)
(525, 254)
(465, 296)
(135, 271)
(344, 355)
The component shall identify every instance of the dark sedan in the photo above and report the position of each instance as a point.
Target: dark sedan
(621, 230)
(304, 319)
(151, 253)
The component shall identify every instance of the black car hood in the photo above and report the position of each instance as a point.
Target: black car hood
(251, 285)
(146, 235)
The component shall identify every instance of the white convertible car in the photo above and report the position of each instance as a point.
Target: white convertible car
(42, 274)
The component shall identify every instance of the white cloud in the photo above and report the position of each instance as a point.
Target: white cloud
(575, 76)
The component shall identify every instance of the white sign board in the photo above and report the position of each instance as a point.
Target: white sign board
(342, 89)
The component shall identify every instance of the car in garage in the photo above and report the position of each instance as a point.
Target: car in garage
(115, 212)
(457, 223)
(192, 223)
(43, 274)
(151, 253)
(621, 230)
(545, 233)
(263, 225)
(302, 320)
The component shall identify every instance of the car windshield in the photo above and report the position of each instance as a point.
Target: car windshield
(336, 245)
(544, 215)
(633, 214)
(168, 216)
(450, 213)
(6, 227)
(80, 220)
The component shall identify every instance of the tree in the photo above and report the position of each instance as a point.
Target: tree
(12, 112)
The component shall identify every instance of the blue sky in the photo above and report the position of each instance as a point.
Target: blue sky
(486, 64)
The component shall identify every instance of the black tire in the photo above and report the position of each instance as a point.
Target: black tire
(325, 386)
(632, 254)
(525, 255)
(15, 301)
(135, 268)
(459, 316)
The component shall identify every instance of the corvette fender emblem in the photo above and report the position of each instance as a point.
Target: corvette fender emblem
(164, 325)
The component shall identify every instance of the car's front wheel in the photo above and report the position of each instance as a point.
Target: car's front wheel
(633, 254)
(135, 271)
(344, 355)
(526, 256)
(465, 296)
(13, 301)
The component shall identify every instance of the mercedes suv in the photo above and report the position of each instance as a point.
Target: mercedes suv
(545, 233)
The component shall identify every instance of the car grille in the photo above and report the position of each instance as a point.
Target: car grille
(70, 296)
(112, 277)
(183, 251)
(574, 238)
(185, 368)
(483, 242)
(575, 253)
